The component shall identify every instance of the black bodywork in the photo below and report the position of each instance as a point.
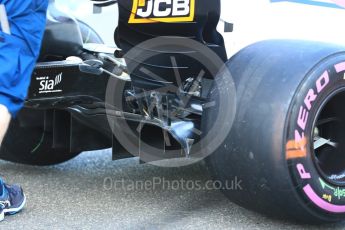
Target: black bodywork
(73, 107)
(202, 29)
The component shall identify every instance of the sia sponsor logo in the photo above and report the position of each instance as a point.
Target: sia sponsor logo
(153, 11)
(49, 85)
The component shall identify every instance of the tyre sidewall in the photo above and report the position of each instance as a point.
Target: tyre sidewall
(323, 81)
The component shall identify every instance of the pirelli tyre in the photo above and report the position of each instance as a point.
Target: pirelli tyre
(287, 143)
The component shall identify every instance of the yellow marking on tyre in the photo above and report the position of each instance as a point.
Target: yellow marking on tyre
(296, 149)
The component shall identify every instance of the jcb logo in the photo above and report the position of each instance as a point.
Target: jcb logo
(151, 11)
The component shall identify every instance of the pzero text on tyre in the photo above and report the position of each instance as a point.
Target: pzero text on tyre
(288, 139)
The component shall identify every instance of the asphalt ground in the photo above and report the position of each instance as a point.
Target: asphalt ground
(91, 191)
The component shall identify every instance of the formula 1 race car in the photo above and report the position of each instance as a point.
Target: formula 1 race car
(174, 91)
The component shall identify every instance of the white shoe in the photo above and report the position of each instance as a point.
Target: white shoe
(2, 215)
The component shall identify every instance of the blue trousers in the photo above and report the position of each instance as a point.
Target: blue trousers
(19, 51)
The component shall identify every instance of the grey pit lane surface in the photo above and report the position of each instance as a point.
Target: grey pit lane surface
(73, 196)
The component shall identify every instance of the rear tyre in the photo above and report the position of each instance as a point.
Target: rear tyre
(286, 147)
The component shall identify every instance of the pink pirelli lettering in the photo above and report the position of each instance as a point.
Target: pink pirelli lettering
(302, 172)
(309, 191)
(322, 82)
(340, 67)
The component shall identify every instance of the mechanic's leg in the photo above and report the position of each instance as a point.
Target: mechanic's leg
(12, 198)
(5, 119)
(27, 20)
